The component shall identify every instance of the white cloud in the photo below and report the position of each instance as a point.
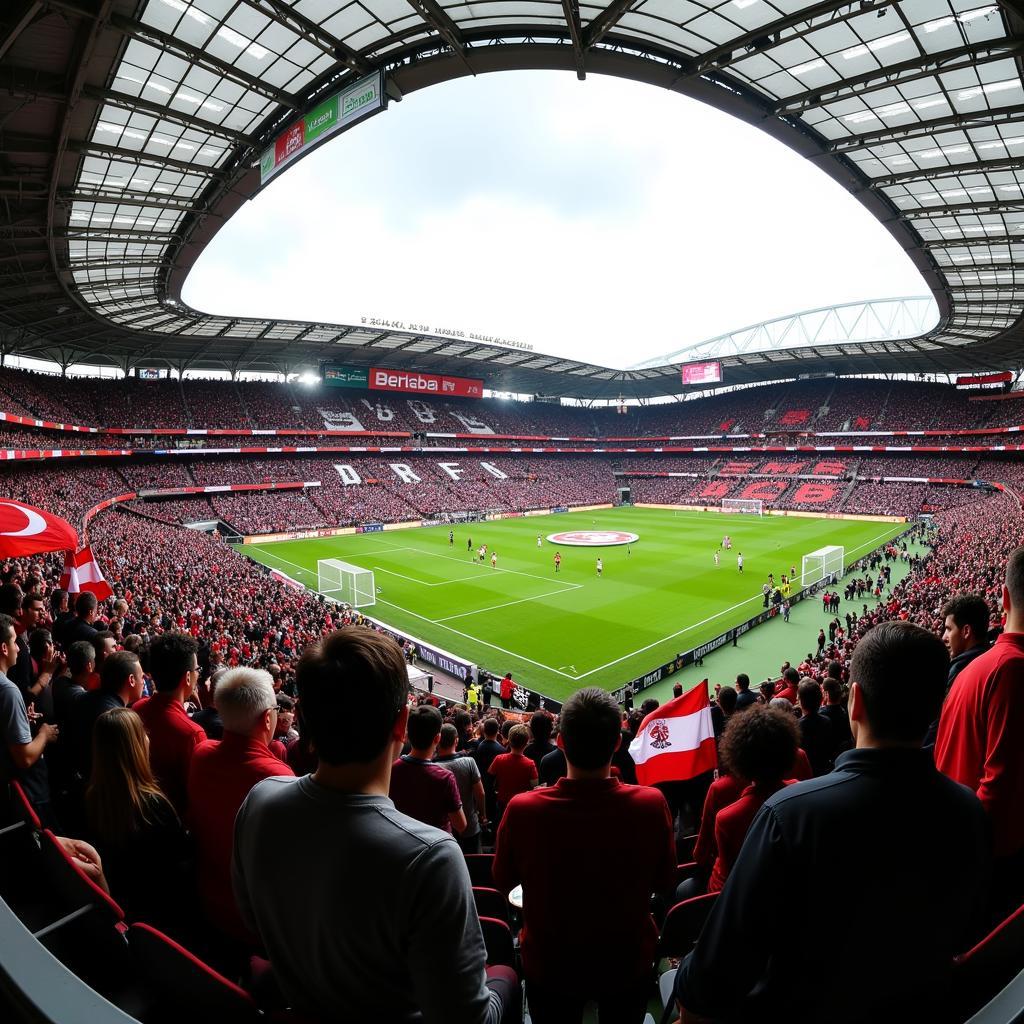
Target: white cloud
(605, 220)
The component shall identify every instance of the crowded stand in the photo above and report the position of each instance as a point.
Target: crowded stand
(212, 747)
(190, 619)
(825, 404)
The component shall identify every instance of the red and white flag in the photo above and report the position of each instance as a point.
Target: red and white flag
(27, 530)
(676, 741)
(82, 572)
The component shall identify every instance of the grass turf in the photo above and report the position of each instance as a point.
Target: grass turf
(556, 633)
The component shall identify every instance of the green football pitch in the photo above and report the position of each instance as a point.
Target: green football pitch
(555, 632)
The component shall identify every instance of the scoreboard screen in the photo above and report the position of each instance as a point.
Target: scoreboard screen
(701, 373)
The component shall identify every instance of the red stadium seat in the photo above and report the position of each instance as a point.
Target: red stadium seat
(501, 947)
(479, 865)
(683, 924)
(87, 928)
(23, 808)
(491, 903)
(192, 987)
(982, 971)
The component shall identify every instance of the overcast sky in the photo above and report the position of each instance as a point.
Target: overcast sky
(604, 220)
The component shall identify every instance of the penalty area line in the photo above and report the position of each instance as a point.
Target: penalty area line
(435, 622)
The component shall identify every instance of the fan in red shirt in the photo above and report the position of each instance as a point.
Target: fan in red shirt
(980, 742)
(220, 776)
(567, 844)
(759, 747)
(514, 772)
(173, 736)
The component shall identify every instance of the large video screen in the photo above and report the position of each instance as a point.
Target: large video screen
(701, 373)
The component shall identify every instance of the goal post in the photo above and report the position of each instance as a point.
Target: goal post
(344, 582)
(822, 565)
(747, 506)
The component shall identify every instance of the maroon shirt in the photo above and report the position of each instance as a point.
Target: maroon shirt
(726, 789)
(220, 777)
(173, 737)
(513, 774)
(731, 826)
(588, 853)
(424, 791)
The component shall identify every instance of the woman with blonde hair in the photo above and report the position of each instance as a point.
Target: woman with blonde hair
(133, 825)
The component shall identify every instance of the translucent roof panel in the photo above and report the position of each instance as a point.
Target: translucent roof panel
(915, 101)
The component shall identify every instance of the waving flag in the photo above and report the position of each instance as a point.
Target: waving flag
(82, 572)
(676, 741)
(27, 530)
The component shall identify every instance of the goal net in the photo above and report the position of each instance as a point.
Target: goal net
(342, 581)
(821, 565)
(751, 506)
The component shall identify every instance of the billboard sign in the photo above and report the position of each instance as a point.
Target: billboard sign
(337, 112)
(346, 377)
(697, 374)
(980, 380)
(425, 383)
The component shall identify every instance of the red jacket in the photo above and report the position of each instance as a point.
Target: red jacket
(726, 789)
(506, 688)
(222, 773)
(980, 742)
(173, 736)
(588, 854)
(731, 829)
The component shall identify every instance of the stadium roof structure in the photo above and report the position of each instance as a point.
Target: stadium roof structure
(131, 131)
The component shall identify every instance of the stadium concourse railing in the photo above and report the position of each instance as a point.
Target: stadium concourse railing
(36, 988)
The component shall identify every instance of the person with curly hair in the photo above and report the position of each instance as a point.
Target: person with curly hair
(758, 748)
(756, 756)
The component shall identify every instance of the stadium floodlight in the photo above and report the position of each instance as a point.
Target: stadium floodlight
(347, 583)
(823, 564)
(745, 506)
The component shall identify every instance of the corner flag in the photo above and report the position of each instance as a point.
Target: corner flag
(676, 741)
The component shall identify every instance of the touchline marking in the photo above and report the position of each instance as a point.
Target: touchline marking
(566, 675)
(704, 622)
(416, 615)
(507, 604)
(475, 639)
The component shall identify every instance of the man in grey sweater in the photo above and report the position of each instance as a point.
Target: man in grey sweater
(377, 921)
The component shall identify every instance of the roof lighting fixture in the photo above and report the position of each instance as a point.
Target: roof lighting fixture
(990, 87)
(229, 35)
(930, 154)
(964, 17)
(808, 67)
(188, 10)
(881, 43)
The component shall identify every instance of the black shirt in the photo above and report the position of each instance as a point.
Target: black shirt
(81, 720)
(553, 767)
(816, 741)
(77, 629)
(744, 698)
(486, 751)
(536, 752)
(842, 735)
(914, 853)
